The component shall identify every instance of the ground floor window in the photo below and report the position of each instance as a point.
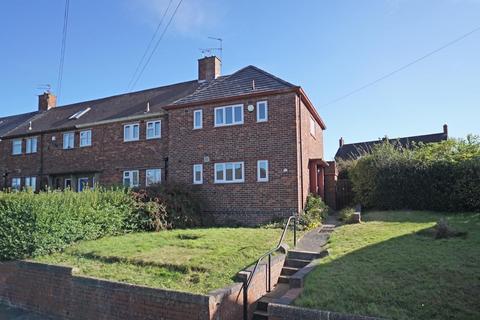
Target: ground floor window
(153, 176)
(31, 182)
(197, 173)
(16, 183)
(68, 183)
(229, 172)
(82, 184)
(130, 178)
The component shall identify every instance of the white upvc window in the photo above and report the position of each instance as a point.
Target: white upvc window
(262, 111)
(31, 145)
(86, 138)
(68, 140)
(82, 184)
(153, 176)
(154, 129)
(229, 172)
(17, 147)
(198, 119)
(197, 173)
(131, 132)
(31, 183)
(262, 170)
(16, 183)
(313, 126)
(130, 178)
(68, 183)
(229, 115)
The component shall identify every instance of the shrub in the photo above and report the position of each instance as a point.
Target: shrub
(346, 215)
(444, 231)
(442, 176)
(34, 224)
(315, 212)
(181, 206)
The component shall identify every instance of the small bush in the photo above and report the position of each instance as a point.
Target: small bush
(315, 212)
(444, 231)
(346, 215)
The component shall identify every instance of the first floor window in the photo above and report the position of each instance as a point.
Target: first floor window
(16, 183)
(153, 176)
(31, 145)
(86, 138)
(197, 173)
(131, 132)
(229, 172)
(230, 115)
(262, 170)
(31, 182)
(68, 140)
(262, 111)
(197, 119)
(312, 127)
(17, 146)
(130, 178)
(154, 129)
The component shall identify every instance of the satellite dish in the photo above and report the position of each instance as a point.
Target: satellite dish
(250, 108)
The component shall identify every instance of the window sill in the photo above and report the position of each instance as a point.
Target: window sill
(228, 182)
(152, 138)
(135, 140)
(227, 125)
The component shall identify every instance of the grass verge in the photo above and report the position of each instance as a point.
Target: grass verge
(385, 267)
(193, 260)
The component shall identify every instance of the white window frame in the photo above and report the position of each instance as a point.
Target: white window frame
(259, 178)
(224, 180)
(79, 183)
(31, 182)
(198, 112)
(130, 172)
(159, 176)
(88, 139)
(17, 143)
(71, 138)
(131, 127)
(197, 168)
(223, 110)
(259, 103)
(65, 183)
(155, 136)
(31, 145)
(313, 127)
(16, 183)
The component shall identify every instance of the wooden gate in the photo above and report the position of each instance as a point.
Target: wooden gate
(345, 195)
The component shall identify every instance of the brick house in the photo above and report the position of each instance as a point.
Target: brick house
(249, 143)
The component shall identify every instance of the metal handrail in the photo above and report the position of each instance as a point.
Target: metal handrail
(248, 281)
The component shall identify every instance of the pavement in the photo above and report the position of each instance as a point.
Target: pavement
(10, 313)
(315, 240)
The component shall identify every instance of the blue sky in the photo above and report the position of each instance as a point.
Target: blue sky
(327, 47)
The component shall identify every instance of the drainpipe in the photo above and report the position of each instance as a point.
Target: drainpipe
(42, 144)
(299, 102)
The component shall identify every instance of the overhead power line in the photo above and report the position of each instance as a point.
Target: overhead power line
(401, 68)
(156, 46)
(62, 49)
(149, 45)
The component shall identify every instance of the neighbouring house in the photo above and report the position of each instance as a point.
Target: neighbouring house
(249, 143)
(338, 189)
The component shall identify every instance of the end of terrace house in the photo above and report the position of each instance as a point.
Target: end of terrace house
(250, 144)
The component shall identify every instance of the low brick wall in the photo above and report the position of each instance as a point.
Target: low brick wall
(53, 290)
(285, 312)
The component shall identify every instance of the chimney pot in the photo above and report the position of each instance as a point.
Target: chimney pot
(445, 129)
(46, 101)
(209, 68)
(341, 142)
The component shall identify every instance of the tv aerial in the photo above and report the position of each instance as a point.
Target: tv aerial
(206, 52)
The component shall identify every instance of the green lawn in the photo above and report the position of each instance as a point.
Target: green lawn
(383, 268)
(194, 260)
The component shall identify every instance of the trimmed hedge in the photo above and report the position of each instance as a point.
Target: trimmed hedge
(443, 176)
(35, 224)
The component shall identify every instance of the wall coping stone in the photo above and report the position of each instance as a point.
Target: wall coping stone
(297, 313)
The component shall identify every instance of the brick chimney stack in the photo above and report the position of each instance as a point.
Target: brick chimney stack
(341, 142)
(209, 68)
(445, 129)
(46, 101)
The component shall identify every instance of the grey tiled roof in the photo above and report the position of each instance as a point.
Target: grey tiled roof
(355, 150)
(8, 124)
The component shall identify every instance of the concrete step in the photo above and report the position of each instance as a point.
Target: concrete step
(284, 279)
(262, 304)
(303, 255)
(288, 271)
(260, 315)
(296, 263)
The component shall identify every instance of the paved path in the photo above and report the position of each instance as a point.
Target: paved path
(315, 240)
(9, 313)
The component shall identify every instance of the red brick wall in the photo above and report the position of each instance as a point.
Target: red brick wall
(54, 291)
(331, 175)
(250, 202)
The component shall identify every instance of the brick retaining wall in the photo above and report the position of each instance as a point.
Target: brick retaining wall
(284, 312)
(53, 290)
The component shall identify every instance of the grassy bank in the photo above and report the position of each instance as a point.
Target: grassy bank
(384, 268)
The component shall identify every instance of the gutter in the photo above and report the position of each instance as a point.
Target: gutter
(131, 118)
